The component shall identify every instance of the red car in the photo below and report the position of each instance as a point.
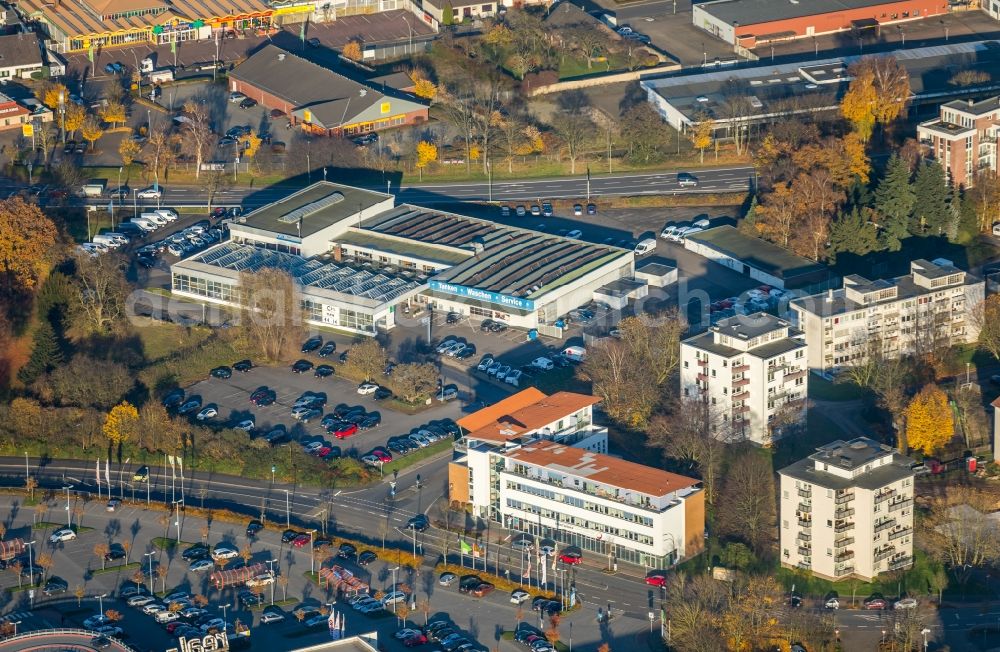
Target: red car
(300, 540)
(382, 456)
(322, 451)
(571, 558)
(415, 640)
(345, 431)
(656, 580)
(876, 603)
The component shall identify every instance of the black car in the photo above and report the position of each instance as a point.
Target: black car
(100, 642)
(248, 103)
(242, 366)
(301, 367)
(323, 371)
(116, 551)
(197, 551)
(173, 399)
(343, 356)
(268, 398)
(55, 585)
(366, 558)
(278, 436)
(146, 261)
(347, 550)
(312, 344)
(418, 523)
(222, 372)
(288, 535)
(367, 139)
(322, 541)
(453, 318)
(467, 352)
(382, 393)
(397, 446)
(497, 327)
(248, 599)
(468, 583)
(370, 421)
(313, 42)
(449, 426)
(253, 527)
(327, 349)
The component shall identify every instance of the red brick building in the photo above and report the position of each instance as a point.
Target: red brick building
(963, 138)
(753, 22)
(321, 100)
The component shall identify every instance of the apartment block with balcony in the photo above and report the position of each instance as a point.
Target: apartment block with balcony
(751, 371)
(556, 482)
(932, 306)
(963, 138)
(847, 510)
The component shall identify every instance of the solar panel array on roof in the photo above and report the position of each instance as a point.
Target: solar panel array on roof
(307, 210)
(372, 284)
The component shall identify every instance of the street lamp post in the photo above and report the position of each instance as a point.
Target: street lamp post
(62, 114)
(288, 511)
(150, 555)
(31, 564)
(270, 567)
(394, 569)
(120, 168)
(100, 601)
(925, 632)
(69, 521)
(177, 521)
(312, 551)
(25, 466)
(135, 202)
(225, 625)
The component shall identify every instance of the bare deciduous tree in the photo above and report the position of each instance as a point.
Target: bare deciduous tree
(271, 319)
(746, 509)
(693, 433)
(197, 133)
(957, 532)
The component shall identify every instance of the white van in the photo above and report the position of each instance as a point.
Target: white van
(513, 378)
(574, 353)
(542, 363)
(120, 237)
(669, 231)
(167, 214)
(144, 224)
(107, 240)
(703, 223)
(155, 218)
(690, 231)
(645, 246)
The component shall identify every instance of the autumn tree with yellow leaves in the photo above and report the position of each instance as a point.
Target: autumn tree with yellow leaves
(113, 112)
(128, 149)
(73, 118)
(424, 88)
(701, 133)
(877, 94)
(427, 153)
(352, 50)
(121, 424)
(27, 238)
(50, 92)
(91, 130)
(929, 424)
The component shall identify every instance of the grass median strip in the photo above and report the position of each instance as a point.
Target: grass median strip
(164, 543)
(114, 569)
(400, 463)
(46, 525)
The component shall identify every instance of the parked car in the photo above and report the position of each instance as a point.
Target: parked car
(301, 366)
(876, 603)
(221, 372)
(61, 535)
(367, 388)
(243, 366)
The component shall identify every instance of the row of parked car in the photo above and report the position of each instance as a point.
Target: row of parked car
(175, 611)
(419, 437)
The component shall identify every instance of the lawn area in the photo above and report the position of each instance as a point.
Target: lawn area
(824, 390)
(400, 463)
(573, 67)
(162, 339)
(819, 430)
(165, 543)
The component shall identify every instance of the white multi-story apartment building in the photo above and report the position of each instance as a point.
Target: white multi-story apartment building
(534, 464)
(930, 307)
(847, 510)
(751, 371)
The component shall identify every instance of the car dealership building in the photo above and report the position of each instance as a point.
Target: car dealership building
(357, 256)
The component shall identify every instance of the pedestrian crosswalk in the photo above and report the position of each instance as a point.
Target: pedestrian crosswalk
(16, 616)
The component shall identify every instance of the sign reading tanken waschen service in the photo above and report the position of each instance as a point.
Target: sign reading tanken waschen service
(207, 644)
(482, 295)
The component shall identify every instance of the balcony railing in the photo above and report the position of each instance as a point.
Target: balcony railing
(902, 562)
(702, 362)
(572, 489)
(900, 533)
(804, 536)
(884, 496)
(804, 565)
(845, 541)
(738, 369)
(884, 554)
(794, 375)
(804, 552)
(844, 498)
(804, 508)
(702, 377)
(805, 492)
(885, 525)
(843, 527)
(741, 396)
(844, 556)
(741, 382)
(840, 572)
(805, 522)
(843, 512)
(900, 504)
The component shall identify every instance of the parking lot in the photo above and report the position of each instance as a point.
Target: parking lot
(232, 398)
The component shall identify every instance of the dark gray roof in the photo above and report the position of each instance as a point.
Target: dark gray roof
(331, 98)
(567, 15)
(777, 347)
(19, 50)
(395, 80)
(751, 12)
(758, 253)
(849, 456)
(747, 327)
(981, 107)
(321, 208)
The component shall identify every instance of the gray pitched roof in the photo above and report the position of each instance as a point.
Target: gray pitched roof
(19, 50)
(331, 98)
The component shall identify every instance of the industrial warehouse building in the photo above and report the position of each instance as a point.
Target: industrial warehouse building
(321, 100)
(749, 23)
(738, 98)
(357, 256)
